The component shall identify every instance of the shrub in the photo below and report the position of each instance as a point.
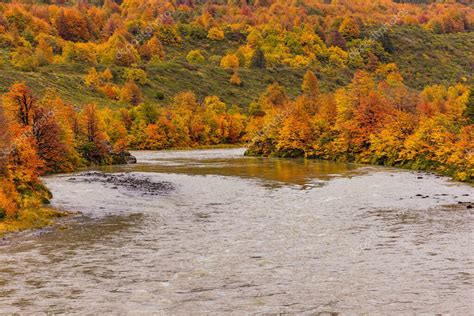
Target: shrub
(24, 59)
(160, 95)
(215, 34)
(235, 79)
(136, 75)
(195, 57)
(230, 61)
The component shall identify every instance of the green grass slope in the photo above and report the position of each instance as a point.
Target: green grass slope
(424, 58)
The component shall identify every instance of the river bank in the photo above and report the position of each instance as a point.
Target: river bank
(36, 219)
(39, 215)
(455, 173)
(30, 219)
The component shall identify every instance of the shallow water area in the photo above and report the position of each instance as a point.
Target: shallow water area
(250, 235)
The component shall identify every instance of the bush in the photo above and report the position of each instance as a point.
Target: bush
(24, 59)
(215, 34)
(79, 52)
(195, 57)
(235, 79)
(136, 75)
(193, 31)
(160, 95)
(230, 61)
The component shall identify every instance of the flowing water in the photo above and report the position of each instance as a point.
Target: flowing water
(248, 235)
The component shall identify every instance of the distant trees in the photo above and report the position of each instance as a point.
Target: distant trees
(152, 48)
(375, 118)
(44, 53)
(283, 33)
(94, 147)
(335, 38)
(118, 50)
(24, 59)
(79, 53)
(92, 78)
(185, 122)
(310, 85)
(72, 25)
(136, 75)
(451, 21)
(311, 92)
(469, 112)
(349, 29)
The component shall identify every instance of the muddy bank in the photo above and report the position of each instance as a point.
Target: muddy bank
(125, 181)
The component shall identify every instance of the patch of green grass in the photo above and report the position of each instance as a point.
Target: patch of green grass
(30, 219)
(425, 58)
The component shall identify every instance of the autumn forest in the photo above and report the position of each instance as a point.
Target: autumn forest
(236, 157)
(84, 82)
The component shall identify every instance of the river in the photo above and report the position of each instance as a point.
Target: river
(248, 235)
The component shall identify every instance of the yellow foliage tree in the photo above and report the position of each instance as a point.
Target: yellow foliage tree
(215, 34)
(131, 93)
(195, 57)
(235, 79)
(230, 61)
(44, 53)
(349, 29)
(92, 78)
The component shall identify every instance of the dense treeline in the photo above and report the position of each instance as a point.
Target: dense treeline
(295, 34)
(375, 119)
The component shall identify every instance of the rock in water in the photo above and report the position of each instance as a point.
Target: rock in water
(131, 159)
(123, 157)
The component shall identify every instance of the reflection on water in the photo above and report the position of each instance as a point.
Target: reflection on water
(234, 163)
(239, 235)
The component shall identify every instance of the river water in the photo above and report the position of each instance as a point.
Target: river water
(249, 235)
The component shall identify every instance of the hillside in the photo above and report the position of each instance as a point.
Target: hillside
(424, 58)
(168, 78)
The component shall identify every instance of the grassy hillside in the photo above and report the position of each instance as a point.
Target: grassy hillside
(423, 57)
(170, 77)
